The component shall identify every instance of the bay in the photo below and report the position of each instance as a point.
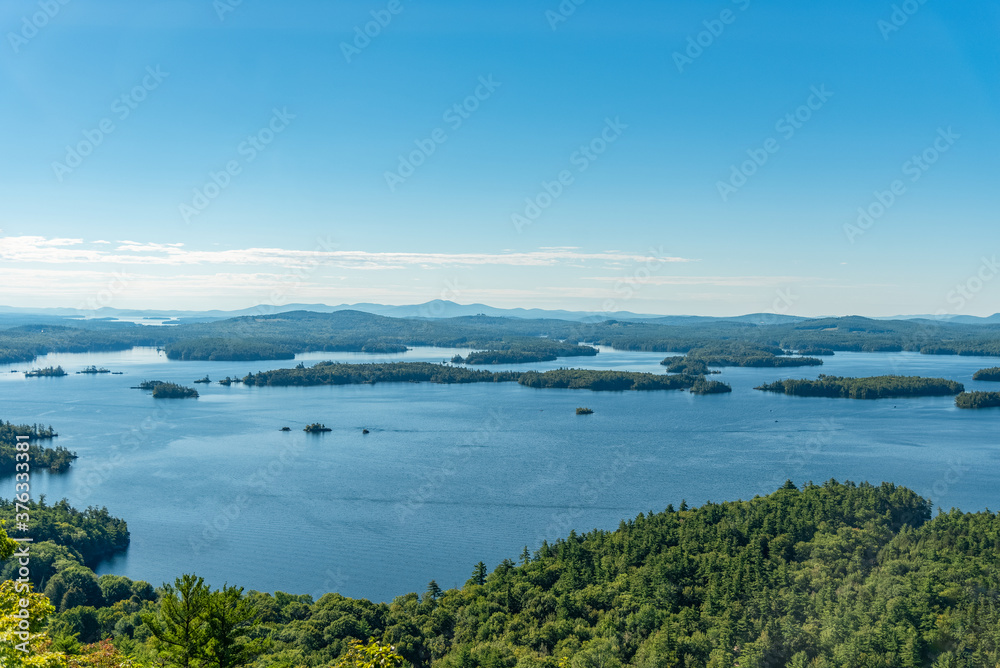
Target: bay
(453, 474)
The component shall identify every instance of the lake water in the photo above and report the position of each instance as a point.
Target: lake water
(451, 475)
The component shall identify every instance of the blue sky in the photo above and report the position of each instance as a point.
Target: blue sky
(309, 119)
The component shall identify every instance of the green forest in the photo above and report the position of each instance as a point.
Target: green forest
(876, 387)
(991, 374)
(333, 373)
(737, 355)
(978, 400)
(164, 390)
(526, 352)
(281, 336)
(820, 576)
(55, 460)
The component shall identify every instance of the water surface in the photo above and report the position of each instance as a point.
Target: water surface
(453, 474)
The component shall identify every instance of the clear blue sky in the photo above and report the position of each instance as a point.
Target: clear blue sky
(646, 226)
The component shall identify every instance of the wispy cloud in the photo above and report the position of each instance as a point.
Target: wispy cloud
(75, 251)
(726, 281)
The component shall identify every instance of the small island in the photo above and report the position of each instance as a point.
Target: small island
(978, 400)
(584, 411)
(736, 355)
(991, 374)
(286, 429)
(56, 460)
(47, 372)
(703, 386)
(227, 381)
(316, 428)
(876, 387)
(93, 370)
(333, 373)
(162, 390)
(203, 381)
(525, 355)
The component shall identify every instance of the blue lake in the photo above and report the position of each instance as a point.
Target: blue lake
(451, 475)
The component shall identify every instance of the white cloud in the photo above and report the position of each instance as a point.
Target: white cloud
(56, 251)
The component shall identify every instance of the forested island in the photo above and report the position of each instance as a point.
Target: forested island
(875, 387)
(978, 400)
(991, 374)
(704, 386)
(163, 390)
(47, 372)
(817, 576)
(736, 355)
(523, 353)
(316, 428)
(56, 460)
(332, 373)
(94, 371)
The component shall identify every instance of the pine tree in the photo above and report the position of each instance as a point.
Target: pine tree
(228, 616)
(433, 590)
(478, 575)
(180, 625)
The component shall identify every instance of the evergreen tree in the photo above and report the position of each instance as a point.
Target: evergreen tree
(228, 617)
(179, 628)
(478, 574)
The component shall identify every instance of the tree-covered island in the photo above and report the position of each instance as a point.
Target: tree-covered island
(978, 400)
(47, 372)
(991, 374)
(875, 387)
(163, 390)
(736, 355)
(332, 373)
(56, 460)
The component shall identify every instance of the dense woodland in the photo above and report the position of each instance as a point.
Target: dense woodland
(722, 354)
(820, 576)
(281, 335)
(991, 374)
(541, 350)
(55, 460)
(616, 381)
(978, 400)
(876, 387)
(47, 372)
(332, 373)
(164, 390)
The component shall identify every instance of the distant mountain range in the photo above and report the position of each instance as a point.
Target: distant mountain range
(437, 308)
